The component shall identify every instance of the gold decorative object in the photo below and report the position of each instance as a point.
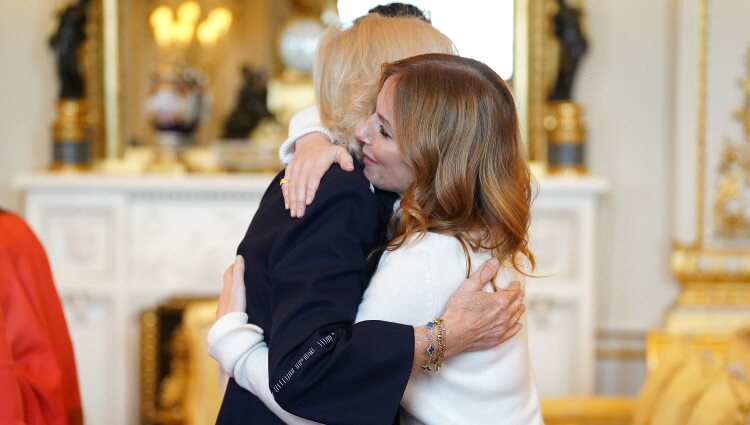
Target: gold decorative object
(174, 335)
(689, 262)
(723, 398)
(173, 387)
(715, 275)
(149, 365)
(71, 137)
(620, 354)
(658, 343)
(692, 264)
(71, 149)
(204, 390)
(177, 105)
(536, 60)
(743, 114)
(588, 411)
(731, 211)
(565, 137)
(699, 264)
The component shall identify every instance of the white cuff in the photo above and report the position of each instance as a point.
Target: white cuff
(287, 149)
(230, 338)
(225, 324)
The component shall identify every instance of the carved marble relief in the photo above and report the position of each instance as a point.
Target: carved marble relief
(80, 242)
(169, 245)
(555, 240)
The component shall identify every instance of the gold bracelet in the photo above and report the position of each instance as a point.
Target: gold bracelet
(438, 361)
(435, 354)
(430, 347)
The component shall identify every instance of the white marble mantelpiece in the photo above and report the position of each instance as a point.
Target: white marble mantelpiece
(120, 244)
(148, 183)
(228, 183)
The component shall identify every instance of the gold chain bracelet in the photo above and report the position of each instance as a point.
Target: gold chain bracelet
(435, 354)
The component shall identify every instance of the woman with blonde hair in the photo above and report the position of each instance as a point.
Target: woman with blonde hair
(304, 353)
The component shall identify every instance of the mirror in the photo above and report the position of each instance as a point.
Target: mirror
(126, 57)
(493, 45)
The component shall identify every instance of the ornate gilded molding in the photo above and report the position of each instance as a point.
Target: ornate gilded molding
(620, 354)
(731, 209)
(743, 114)
(693, 264)
(700, 119)
(93, 65)
(149, 365)
(700, 263)
(542, 63)
(111, 78)
(658, 343)
(716, 294)
(620, 345)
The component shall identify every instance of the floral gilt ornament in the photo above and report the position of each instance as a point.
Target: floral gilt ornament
(731, 210)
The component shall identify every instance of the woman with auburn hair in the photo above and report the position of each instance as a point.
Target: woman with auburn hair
(445, 136)
(304, 354)
(455, 125)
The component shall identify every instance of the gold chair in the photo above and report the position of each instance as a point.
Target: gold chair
(689, 381)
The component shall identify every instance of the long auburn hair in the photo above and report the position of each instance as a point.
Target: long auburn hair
(456, 125)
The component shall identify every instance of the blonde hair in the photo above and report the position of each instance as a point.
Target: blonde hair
(348, 63)
(456, 125)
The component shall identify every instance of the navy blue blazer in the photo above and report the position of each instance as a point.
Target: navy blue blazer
(305, 278)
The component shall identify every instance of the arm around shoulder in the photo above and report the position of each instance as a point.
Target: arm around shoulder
(304, 122)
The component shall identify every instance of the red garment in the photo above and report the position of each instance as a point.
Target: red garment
(38, 383)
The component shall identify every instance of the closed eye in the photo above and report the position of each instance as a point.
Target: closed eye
(383, 132)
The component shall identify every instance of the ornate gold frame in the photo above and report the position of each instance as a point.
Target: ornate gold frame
(698, 264)
(159, 329)
(101, 70)
(111, 78)
(106, 75)
(535, 56)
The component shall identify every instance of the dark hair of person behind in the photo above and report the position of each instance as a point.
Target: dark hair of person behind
(391, 10)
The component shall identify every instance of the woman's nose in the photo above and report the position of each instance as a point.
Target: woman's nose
(360, 132)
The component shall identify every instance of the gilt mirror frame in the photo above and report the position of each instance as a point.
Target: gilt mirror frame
(535, 59)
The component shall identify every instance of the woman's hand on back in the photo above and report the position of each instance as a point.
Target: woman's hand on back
(314, 154)
(232, 298)
(477, 320)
